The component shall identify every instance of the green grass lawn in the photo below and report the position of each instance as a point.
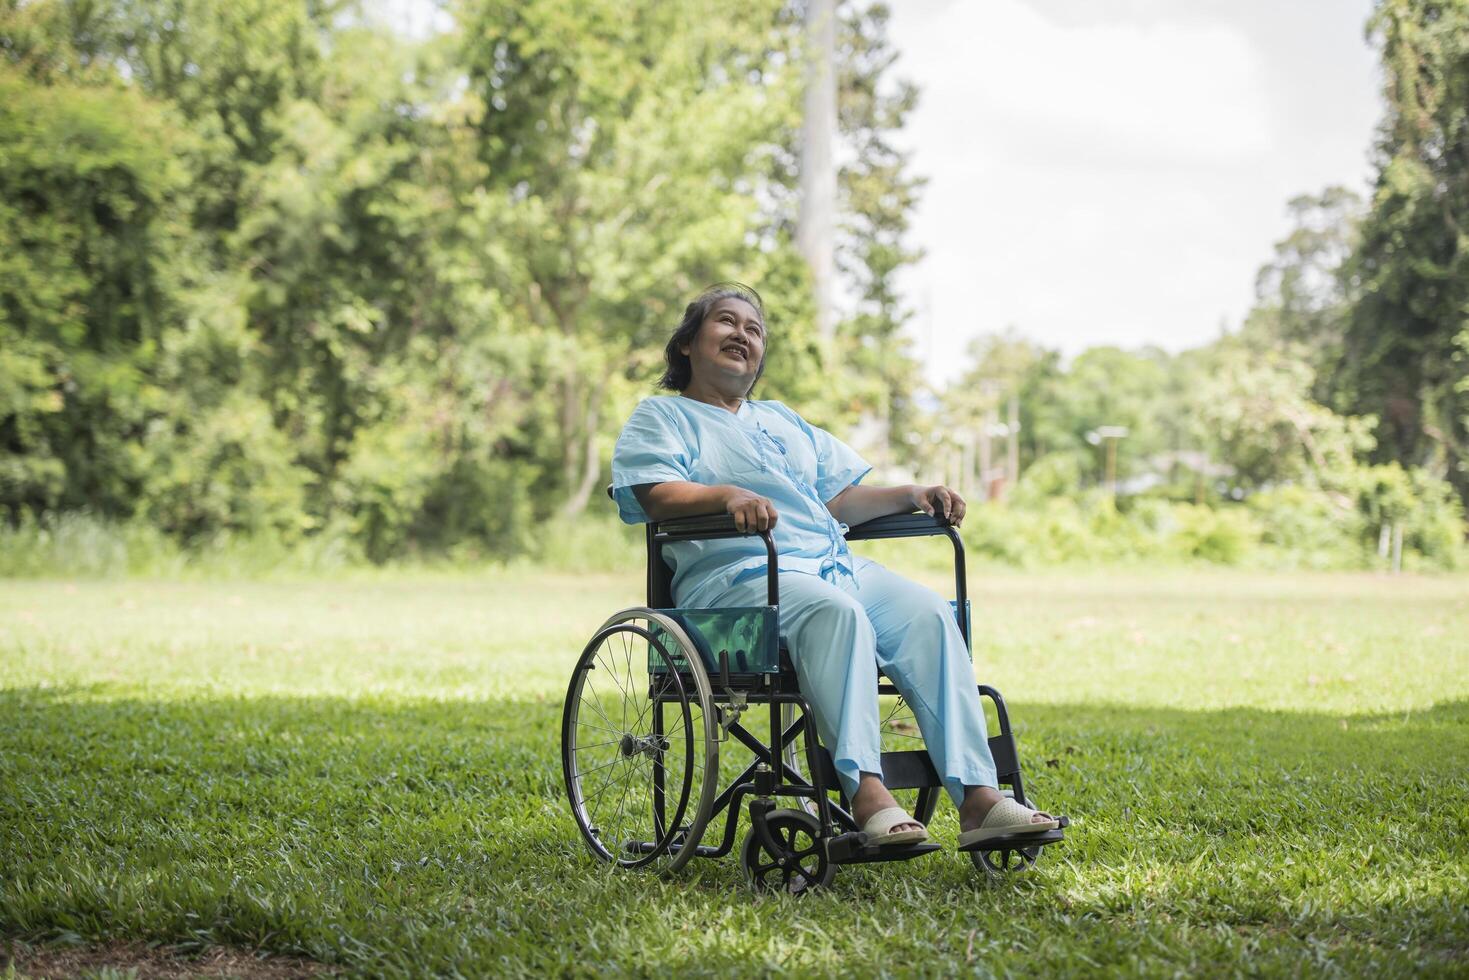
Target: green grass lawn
(1265, 773)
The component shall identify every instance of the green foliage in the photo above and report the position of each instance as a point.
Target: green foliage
(1402, 360)
(1257, 409)
(1217, 535)
(1055, 475)
(88, 251)
(78, 545)
(1304, 295)
(267, 271)
(878, 196)
(594, 542)
(1307, 527)
(1421, 508)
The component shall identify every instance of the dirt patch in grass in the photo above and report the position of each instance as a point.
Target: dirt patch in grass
(155, 963)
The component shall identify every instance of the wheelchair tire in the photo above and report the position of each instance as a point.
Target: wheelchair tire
(1002, 863)
(641, 784)
(800, 868)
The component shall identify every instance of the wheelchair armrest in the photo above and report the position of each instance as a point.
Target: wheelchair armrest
(708, 527)
(918, 526)
(699, 527)
(900, 526)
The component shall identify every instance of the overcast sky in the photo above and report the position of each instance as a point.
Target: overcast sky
(1115, 171)
(1110, 171)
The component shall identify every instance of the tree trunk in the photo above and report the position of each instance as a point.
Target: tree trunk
(815, 225)
(591, 456)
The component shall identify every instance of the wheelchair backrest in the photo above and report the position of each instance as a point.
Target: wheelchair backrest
(660, 575)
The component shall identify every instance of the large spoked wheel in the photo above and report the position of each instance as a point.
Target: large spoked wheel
(638, 751)
(799, 867)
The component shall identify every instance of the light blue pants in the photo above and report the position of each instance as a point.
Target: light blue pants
(841, 630)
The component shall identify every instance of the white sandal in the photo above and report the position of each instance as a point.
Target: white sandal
(879, 828)
(1006, 818)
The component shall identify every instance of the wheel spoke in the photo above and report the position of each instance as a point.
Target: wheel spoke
(626, 694)
(596, 704)
(600, 728)
(612, 780)
(597, 745)
(889, 726)
(610, 668)
(798, 866)
(617, 794)
(622, 801)
(653, 700)
(619, 836)
(582, 773)
(627, 657)
(608, 782)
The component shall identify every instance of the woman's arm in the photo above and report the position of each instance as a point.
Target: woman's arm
(662, 501)
(858, 504)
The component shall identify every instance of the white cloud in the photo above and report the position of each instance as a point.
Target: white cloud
(1114, 181)
(1126, 91)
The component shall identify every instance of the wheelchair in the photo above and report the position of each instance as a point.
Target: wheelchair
(659, 691)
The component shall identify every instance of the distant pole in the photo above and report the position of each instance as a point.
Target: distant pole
(966, 466)
(983, 477)
(1108, 434)
(815, 223)
(1012, 445)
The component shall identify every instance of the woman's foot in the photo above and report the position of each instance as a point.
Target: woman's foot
(980, 800)
(873, 797)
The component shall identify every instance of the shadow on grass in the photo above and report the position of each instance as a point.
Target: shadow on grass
(433, 836)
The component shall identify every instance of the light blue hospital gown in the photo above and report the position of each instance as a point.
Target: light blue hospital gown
(843, 616)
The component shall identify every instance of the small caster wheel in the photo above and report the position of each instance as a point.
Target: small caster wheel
(800, 868)
(1008, 861)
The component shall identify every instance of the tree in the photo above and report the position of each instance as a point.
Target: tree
(815, 223)
(1405, 356)
(1305, 293)
(878, 193)
(628, 150)
(269, 269)
(90, 247)
(1254, 410)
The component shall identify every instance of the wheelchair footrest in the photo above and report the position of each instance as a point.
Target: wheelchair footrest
(1019, 842)
(855, 848)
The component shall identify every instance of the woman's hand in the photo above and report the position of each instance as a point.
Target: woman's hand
(940, 501)
(751, 511)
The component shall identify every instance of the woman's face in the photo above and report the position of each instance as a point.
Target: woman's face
(729, 346)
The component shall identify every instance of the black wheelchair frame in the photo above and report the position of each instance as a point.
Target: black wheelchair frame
(794, 850)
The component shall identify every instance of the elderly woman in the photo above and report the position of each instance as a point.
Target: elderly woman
(713, 449)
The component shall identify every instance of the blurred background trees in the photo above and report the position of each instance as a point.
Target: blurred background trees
(268, 272)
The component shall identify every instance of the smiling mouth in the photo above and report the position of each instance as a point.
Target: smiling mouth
(739, 352)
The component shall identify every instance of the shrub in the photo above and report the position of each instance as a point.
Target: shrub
(1307, 527)
(590, 543)
(1224, 536)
